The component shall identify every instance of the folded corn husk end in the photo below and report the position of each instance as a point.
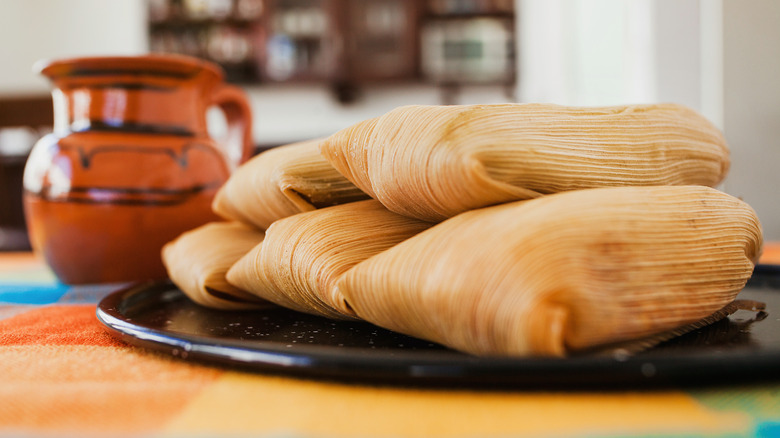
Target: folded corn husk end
(198, 260)
(251, 195)
(281, 182)
(304, 255)
(623, 349)
(277, 271)
(563, 273)
(346, 151)
(247, 274)
(318, 186)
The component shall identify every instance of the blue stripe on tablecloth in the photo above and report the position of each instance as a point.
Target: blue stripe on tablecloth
(89, 293)
(768, 429)
(26, 293)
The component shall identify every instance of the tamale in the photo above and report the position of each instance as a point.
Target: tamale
(433, 162)
(198, 260)
(281, 182)
(302, 256)
(563, 273)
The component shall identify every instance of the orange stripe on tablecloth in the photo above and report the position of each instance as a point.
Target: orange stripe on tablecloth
(55, 325)
(60, 372)
(94, 390)
(771, 253)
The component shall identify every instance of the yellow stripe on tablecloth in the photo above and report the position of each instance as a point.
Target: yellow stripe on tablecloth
(246, 404)
(90, 390)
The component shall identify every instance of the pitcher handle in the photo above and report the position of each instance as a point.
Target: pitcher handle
(233, 102)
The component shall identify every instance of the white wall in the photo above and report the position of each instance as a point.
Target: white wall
(31, 30)
(610, 52)
(678, 52)
(586, 52)
(751, 105)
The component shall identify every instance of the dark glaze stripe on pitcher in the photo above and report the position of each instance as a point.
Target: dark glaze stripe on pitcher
(124, 195)
(136, 128)
(103, 72)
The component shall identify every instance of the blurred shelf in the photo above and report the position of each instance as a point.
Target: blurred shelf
(346, 43)
(180, 23)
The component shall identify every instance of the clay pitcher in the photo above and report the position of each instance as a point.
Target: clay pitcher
(130, 164)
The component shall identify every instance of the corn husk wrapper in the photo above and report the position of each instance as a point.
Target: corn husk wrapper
(433, 162)
(281, 182)
(198, 260)
(302, 256)
(563, 273)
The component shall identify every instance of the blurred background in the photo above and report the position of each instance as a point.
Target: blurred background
(312, 67)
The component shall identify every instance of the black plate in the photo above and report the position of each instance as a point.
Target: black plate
(744, 347)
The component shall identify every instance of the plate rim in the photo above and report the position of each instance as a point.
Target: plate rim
(429, 368)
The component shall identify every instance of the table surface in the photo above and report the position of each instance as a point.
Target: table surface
(62, 374)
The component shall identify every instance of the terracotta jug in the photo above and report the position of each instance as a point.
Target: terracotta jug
(130, 164)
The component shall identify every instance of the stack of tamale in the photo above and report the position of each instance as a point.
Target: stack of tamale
(515, 229)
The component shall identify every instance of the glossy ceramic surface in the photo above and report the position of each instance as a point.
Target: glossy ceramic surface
(744, 347)
(130, 164)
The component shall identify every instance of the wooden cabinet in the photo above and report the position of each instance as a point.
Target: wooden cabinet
(381, 39)
(344, 42)
(223, 31)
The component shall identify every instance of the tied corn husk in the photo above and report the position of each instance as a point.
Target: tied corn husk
(302, 256)
(433, 162)
(198, 260)
(563, 273)
(281, 182)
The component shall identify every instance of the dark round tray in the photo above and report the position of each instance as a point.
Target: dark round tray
(743, 347)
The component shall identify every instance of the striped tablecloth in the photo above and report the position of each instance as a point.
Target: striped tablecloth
(61, 374)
